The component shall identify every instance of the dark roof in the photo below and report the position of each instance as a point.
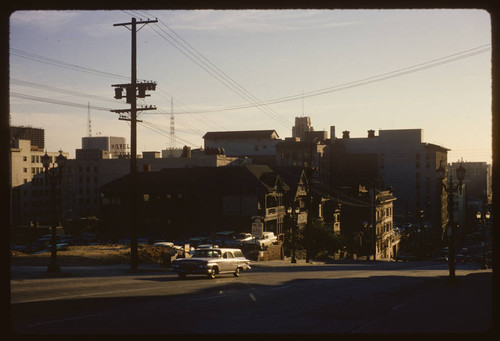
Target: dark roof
(248, 178)
(240, 134)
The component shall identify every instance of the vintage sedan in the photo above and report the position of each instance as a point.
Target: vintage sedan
(211, 262)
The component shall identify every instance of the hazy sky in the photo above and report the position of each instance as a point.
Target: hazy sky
(250, 70)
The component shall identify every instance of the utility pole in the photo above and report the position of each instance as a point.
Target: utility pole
(133, 91)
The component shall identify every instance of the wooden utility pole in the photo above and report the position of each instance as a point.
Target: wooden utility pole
(131, 96)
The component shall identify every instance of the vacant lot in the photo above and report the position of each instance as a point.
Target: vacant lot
(93, 255)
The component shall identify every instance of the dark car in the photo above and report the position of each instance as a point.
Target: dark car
(404, 257)
(462, 259)
(212, 261)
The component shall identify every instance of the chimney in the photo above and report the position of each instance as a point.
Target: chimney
(345, 134)
(371, 133)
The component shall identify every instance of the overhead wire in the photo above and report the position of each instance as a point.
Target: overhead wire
(366, 81)
(59, 90)
(187, 50)
(55, 62)
(58, 102)
(164, 132)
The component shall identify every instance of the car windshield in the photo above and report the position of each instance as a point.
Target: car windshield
(207, 253)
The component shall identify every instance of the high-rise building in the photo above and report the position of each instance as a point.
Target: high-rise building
(36, 136)
(302, 125)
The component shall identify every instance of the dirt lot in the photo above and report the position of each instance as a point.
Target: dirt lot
(92, 255)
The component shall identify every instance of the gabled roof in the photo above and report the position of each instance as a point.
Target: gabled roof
(268, 134)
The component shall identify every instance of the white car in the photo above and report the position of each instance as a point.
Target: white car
(239, 239)
(268, 239)
(212, 261)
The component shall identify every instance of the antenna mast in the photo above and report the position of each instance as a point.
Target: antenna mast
(89, 122)
(172, 125)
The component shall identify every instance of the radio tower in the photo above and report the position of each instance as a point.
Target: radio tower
(172, 125)
(89, 123)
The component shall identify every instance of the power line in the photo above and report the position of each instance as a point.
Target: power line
(58, 102)
(215, 72)
(164, 132)
(59, 90)
(58, 63)
(366, 81)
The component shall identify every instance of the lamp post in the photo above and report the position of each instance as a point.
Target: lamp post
(53, 176)
(294, 214)
(450, 190)
(483, 221)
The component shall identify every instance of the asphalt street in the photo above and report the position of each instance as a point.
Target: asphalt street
(276, 297)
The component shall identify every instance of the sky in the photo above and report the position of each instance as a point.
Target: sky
(226, 70)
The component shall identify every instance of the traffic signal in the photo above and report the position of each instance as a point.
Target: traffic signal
(142, 91)
(118, 93)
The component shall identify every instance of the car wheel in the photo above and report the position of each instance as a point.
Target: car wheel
(211, 274)
(237, 272)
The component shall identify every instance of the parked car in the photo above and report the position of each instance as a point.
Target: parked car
(268, 239)
(465, 251)
(404, 257)
(222, 237)
(60, 247)
(195, 241)
(211, 262)
(462, 259)
(206, 246)
(238, 239)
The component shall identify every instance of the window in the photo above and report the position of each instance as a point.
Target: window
(25, 158)
(228, 255)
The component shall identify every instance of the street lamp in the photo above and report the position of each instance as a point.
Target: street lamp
(450, 190)
(294, 214)
(53, 175)
(484, 265)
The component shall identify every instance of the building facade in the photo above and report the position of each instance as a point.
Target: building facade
(78, 192)
(258, 145)
(186, 202)
(302, 125)
(36, 136)
(398, 158)
(30, 190)
(115, 146)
